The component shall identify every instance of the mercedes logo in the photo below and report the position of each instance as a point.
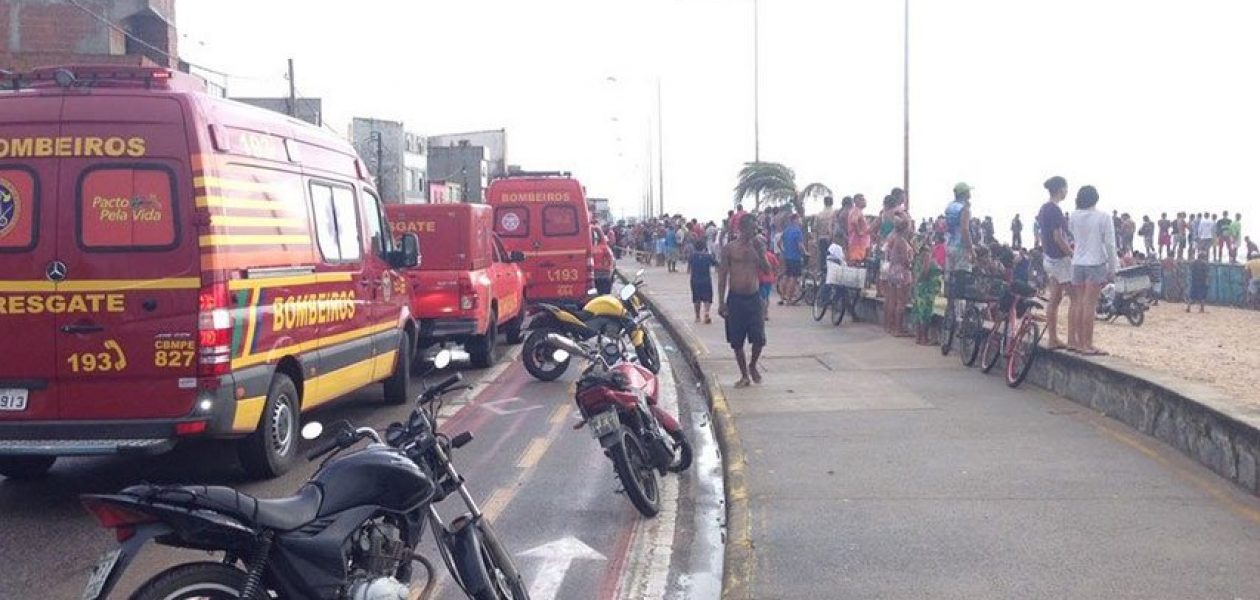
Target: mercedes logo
(56, 271)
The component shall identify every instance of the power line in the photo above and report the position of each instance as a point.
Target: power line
(108, 23)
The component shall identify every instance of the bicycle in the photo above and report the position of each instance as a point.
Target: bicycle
(1015, 334)
(841, 297)
(806, 287)
(967, 293)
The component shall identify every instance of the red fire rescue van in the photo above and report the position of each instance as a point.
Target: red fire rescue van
(174, 264)
(544, 215)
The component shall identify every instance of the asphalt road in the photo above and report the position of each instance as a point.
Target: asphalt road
(548, 490)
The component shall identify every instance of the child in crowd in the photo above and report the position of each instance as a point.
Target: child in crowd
(766, 279)
(900, 262)
(927, 284)
(700, 265)
(1198, 281)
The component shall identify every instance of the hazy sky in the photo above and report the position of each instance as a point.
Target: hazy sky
(1155, 102)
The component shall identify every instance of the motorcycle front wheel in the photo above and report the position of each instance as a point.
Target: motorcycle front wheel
(211, 581)
(636, 473)
(496, 576)
(1136, 316)
(539, 358)
(649, 355)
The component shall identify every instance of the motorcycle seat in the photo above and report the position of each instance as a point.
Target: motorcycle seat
(283, 514)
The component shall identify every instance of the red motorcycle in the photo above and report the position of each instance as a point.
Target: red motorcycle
(618, 403)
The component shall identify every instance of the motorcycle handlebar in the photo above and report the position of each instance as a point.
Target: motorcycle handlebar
(442, 388)
(323, 447)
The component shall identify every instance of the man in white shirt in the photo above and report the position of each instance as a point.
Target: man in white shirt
(1206, 229)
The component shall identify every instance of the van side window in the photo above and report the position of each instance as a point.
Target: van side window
(19, 210)
(511, 221)
(127, 209)
(560, 220)
(336, 222)
(376, 224)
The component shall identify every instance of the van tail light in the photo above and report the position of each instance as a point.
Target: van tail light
(121, 519)
(214, 331)
(467, 296)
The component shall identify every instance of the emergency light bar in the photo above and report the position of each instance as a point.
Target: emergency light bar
(102, 76)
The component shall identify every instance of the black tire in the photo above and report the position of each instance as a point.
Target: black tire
(682, 462)
(638, 477)
(992, 348)
(970, 336)
(482, 348)
(537, 357)
(26, 468)
(821, 300)
(809, 287)
(398, 386)
(1136, 316)
(840, 306)
(272, 449)
(194, 580)
(513, 332)
(1027, 346)
(948, 327)
(800, 289)
(505, 579)
(649, 355)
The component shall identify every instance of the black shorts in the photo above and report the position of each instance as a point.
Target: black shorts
(702, 292)
(745, 320)
(793, 268)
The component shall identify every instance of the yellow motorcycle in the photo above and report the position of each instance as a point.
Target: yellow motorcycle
(617, 318)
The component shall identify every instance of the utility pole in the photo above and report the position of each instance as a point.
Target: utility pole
(660, 142)
(292, 91)
(905, 103)
(756, 84)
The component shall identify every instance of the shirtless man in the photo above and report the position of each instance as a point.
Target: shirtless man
(742, 260)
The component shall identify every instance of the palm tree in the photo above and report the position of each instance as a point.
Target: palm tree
(765, 182)
(774, 184)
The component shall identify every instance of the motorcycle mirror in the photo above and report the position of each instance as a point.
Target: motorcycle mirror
(627, 291)
(312, 430)
(560, 355)
(442, 359)
(592, 292)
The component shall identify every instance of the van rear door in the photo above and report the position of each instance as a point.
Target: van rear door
(28, 242)
(126, 345)
(556, 264)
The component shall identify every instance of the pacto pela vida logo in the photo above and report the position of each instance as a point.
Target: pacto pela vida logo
(10, 212)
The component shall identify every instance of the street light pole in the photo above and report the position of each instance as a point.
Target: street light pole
(660, 142)
(380, 158)
(756, 84)
(905, 103)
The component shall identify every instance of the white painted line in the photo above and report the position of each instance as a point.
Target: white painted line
(556, 557)
(646, 573)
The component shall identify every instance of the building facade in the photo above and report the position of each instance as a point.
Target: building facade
(310, 110)
(396, 157)
(465, 165)
(123, 32)
(494, 141)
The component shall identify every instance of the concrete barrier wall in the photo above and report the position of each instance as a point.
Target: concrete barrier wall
(1202, 423)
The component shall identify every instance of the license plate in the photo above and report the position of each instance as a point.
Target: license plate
(100, 574)
(604, 423)
(13, 399)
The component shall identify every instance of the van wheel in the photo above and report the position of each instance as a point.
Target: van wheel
(271, 450)
(483, 346)
(398, 386)
(513, 332)
(24, 468)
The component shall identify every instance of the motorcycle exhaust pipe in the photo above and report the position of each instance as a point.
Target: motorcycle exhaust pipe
(556, 340)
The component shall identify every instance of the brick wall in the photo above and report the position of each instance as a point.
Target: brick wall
(50, 27)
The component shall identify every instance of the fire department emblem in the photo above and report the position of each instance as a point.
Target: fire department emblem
(510, 221)
(9, 210)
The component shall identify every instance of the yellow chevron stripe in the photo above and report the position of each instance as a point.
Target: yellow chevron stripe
(245, 203)
(101, 285)
(315, 344)
(254, 240)
(293, 280)
(234, 184)
(235, 221)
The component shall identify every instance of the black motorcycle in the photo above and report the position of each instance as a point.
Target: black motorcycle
(1130, 305)
(350, 532)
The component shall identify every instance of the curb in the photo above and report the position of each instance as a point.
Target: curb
(738, 559)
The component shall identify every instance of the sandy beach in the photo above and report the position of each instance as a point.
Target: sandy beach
(1215, 347)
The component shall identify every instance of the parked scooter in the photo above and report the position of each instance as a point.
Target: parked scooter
(349, 533)
(618, 402)
(619, 317)
(1131, 305)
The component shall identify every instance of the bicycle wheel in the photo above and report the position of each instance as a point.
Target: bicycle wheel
(808, 287)
(1024, 350)
(992, 349)
(949, 324)
(840, 305)
(970, 336)
(821, 300)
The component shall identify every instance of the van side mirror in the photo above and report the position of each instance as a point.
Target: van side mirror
(409, 256)
(516, 256)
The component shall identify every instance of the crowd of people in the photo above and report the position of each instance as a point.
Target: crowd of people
(1073, 257)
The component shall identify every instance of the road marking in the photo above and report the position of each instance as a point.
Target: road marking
(557, 557)
(533, 452)
(560, 413)
(496, 502)
(646, 572)
(509, 406)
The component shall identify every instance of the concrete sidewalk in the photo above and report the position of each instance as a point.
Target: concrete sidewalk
(879, 469)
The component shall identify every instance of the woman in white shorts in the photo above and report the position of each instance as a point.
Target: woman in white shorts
(1058, 259)
(1094, 262)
